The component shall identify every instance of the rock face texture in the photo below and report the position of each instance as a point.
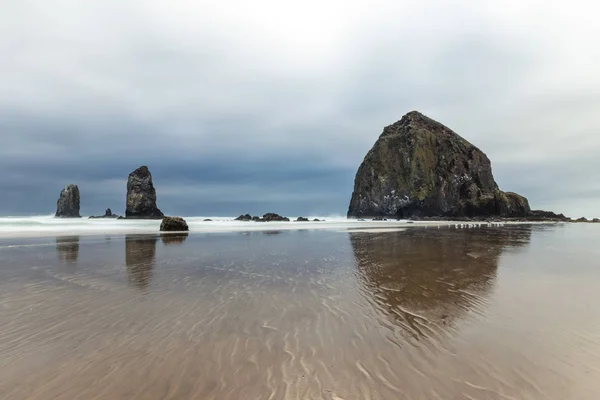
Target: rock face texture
(67, 205)
(421, 168)
(141, 196)
(173, 224)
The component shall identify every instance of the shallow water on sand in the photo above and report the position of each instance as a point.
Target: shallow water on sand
(437, 313)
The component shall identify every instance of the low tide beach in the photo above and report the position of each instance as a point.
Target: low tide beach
(320, 310)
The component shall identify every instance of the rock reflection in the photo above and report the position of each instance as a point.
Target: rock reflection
(140, 254)
(67, 248)
(271, 233)
(423, 276)
(175, 238)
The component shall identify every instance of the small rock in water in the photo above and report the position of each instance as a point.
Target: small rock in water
(302, 219)
(107, 214)
(173, 224)
(244, 217)
(207, 220)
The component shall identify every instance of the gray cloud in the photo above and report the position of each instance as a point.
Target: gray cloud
(238, 107)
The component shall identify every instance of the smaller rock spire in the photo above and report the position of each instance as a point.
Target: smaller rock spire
(67, 205)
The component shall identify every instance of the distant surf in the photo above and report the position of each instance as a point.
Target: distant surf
(47, 225)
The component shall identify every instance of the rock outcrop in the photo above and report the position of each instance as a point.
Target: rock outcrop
(107, 214)
(268, 217)
(244, 217)
(421, 168)
(174, 224)
(271, 217)
(541, 215)
(141, 196)
(302, 219)
(67, 205)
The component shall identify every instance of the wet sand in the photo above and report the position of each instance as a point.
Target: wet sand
(507, 312)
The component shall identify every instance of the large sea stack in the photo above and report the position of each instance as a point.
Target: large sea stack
(67, 205)
(141, 196)
(421, 168)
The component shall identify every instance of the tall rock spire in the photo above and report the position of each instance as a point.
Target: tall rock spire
(141, 196)
(67, 205)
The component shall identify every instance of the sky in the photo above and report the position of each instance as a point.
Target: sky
(270, 106)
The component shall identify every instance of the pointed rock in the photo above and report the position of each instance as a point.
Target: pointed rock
(141, 196)
(421, 168)
(67, 205)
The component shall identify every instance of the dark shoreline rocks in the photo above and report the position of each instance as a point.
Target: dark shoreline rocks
(67, 205)
(107, 214)
(173, 224)
(302, 219)
(419, 168)
(141, 196)
(268, 217)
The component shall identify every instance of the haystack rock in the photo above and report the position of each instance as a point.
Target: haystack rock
(141, 196)
(67, 205)
(421, 168)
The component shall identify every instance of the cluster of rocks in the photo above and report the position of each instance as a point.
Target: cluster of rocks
(268, 217)
(584, 219)
(141, 199)
(418, 169)
(141, 202)
(107, 214)
(271, 217)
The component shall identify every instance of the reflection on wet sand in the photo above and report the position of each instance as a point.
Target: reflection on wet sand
(140, 253)
(67, 248)
(420, 314)
(173, 238)
(431, 276)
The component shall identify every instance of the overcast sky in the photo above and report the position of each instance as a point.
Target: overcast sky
(259, 106)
